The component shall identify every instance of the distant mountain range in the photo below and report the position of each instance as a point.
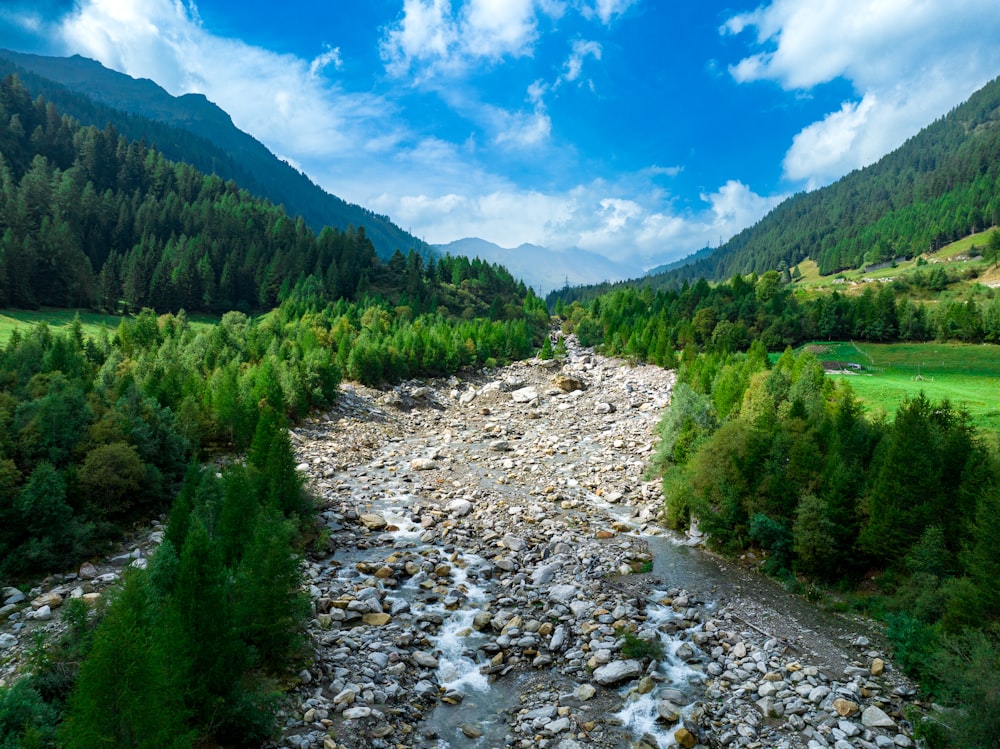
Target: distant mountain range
(544, 269)
(193, 130)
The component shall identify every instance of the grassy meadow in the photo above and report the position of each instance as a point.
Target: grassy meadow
(968, 375)
(61, 319)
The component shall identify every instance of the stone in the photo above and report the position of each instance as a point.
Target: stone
(424, 659)
(563, 593)
(499, 446)
(373, 522)
(567, 384)
(43, 614)
(667, 712)
(87, 571)
(525, 395)
(845, 708)
(685, 738)
(584, 692)
(52, 600)
(356, 713)
(617, 672)
(459, 508)
(604, 408)
(376, 620)
(470, 731)
(7, 641)
(878, 667)
(422, 464)
(874, 717)
(557, 726)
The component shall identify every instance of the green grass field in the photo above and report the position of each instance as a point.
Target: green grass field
(968, 375)
(59, 319)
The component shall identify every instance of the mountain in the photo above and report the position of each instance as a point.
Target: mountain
(541, 268)
(688, 260)
(140, 109)
(939, 186)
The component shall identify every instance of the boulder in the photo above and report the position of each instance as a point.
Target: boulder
(373, 522)
(617, 672)
(525, 395)
(874, 717)
(567, 384)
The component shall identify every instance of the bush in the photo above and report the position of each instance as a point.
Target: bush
(636, 647)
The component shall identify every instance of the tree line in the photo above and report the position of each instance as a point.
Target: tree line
(654, 325)
(91, 219)
(781, 459)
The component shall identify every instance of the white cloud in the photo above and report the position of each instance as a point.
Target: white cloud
(280, 99)
(573, 66)
(606, 10)
(908, 61)
(330, 57)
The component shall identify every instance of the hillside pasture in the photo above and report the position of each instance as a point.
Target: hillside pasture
(968, 375)
(61, 319)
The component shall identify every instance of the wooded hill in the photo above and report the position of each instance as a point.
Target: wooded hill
(193, 130)
(939, 186)
(91, 219)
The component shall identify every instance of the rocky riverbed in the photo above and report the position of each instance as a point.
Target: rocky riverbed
(495, 577)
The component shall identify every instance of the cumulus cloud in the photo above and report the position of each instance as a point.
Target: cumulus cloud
(908, 61)
(280, 99)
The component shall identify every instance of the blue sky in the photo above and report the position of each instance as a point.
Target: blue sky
(639, 129)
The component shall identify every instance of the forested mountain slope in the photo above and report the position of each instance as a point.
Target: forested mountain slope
(939, 186)
(91, 219)
(193, 130)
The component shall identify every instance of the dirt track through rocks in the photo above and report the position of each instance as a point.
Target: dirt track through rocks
(496, 574)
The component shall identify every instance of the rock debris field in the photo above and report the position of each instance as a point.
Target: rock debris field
(496, 577)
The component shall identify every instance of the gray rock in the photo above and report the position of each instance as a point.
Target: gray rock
(525, 395)
(617, 672)
(563, 593)
(7, 641)
(874, 717)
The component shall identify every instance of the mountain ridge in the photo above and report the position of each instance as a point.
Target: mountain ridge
(543, 268)
(272, 178)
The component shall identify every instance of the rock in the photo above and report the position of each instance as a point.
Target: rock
(470, 731)
(422, 464)
(685, 738)
(356, 713)
(525, 395)
(424, 659)
(514, 543)
(557, 726)
(12, 596)
(376, 620)
(584, 692)
(667, 712)
(7, 641)
(563, 593)
(87, 571)
(373, 522)
(499, 446)
(878, 667)
(617, 671)
(43, 614)
(52, 600)
(567, 384)
(604, 408)
(845, 708)
(874, 717)
(459, 508)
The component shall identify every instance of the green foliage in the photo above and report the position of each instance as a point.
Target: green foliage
(634, 646)
(125, 695)
(26, 720)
